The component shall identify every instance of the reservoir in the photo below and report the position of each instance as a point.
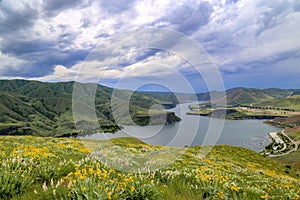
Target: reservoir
(198, 131)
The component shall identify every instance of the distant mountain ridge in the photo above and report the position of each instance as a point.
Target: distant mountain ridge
(41, 108)
(242, 95)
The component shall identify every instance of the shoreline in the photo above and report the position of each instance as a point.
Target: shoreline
(279, 146)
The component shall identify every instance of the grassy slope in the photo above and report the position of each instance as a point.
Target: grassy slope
(53, 168)
(293, 159)
(39, 108)
(247, 95)
(292, 102)
(244, 95)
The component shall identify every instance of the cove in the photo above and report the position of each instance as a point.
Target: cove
(192, 130)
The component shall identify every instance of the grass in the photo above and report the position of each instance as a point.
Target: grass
(291, 161)
(61, 168)
(241, 112)
(295, 135)
(292, 102)
(46, 109)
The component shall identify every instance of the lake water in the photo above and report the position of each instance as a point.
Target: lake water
(198, 131)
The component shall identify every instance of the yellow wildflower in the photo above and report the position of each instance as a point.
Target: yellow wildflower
(77, 172)
(91, 170)
(264, 196)
(109, 195)
(221, 195)
(132, 188)
(235, 188)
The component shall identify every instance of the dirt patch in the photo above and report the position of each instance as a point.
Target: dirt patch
(293, 130)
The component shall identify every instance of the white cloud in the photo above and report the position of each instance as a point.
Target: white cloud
(250, 31)
(11, 64)
(241, 36)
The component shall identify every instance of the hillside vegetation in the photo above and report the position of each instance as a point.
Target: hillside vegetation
(292, 102)
(39, 108)
(249, 103)
(237, 96)
(62, 168)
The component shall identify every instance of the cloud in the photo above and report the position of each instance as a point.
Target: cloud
(16, 16)
(53, 7)
(117, 5)
(11, 66)
(243, 33)
(187, 19)
(50, 39)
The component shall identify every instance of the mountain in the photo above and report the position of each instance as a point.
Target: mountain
(246, 95)
(40, 108)
(278, 93)
(237, 96)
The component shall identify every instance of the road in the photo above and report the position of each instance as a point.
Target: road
(280, 140)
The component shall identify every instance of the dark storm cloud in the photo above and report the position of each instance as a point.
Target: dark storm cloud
(25, 48)
(43, 55)
(42, 64)
(187, 19)
(53, 7)
(16, 20)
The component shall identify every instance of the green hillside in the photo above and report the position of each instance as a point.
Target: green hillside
(62, 168)
(277, 93)
(292, 102)
(236, 96)
(39, 108)
(246, 95)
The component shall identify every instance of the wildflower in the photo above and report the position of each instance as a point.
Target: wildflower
(221, 195)
(264, 196)
(91, 170)
(109, 195)
(132, 188)
(235, 188)
(77, 172)
(83, 189)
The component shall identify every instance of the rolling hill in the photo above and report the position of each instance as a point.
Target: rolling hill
(237, 96)
(39, 108)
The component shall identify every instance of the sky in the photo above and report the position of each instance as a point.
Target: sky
(251, 43)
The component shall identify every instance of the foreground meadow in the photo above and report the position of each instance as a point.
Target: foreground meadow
(126, 168)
